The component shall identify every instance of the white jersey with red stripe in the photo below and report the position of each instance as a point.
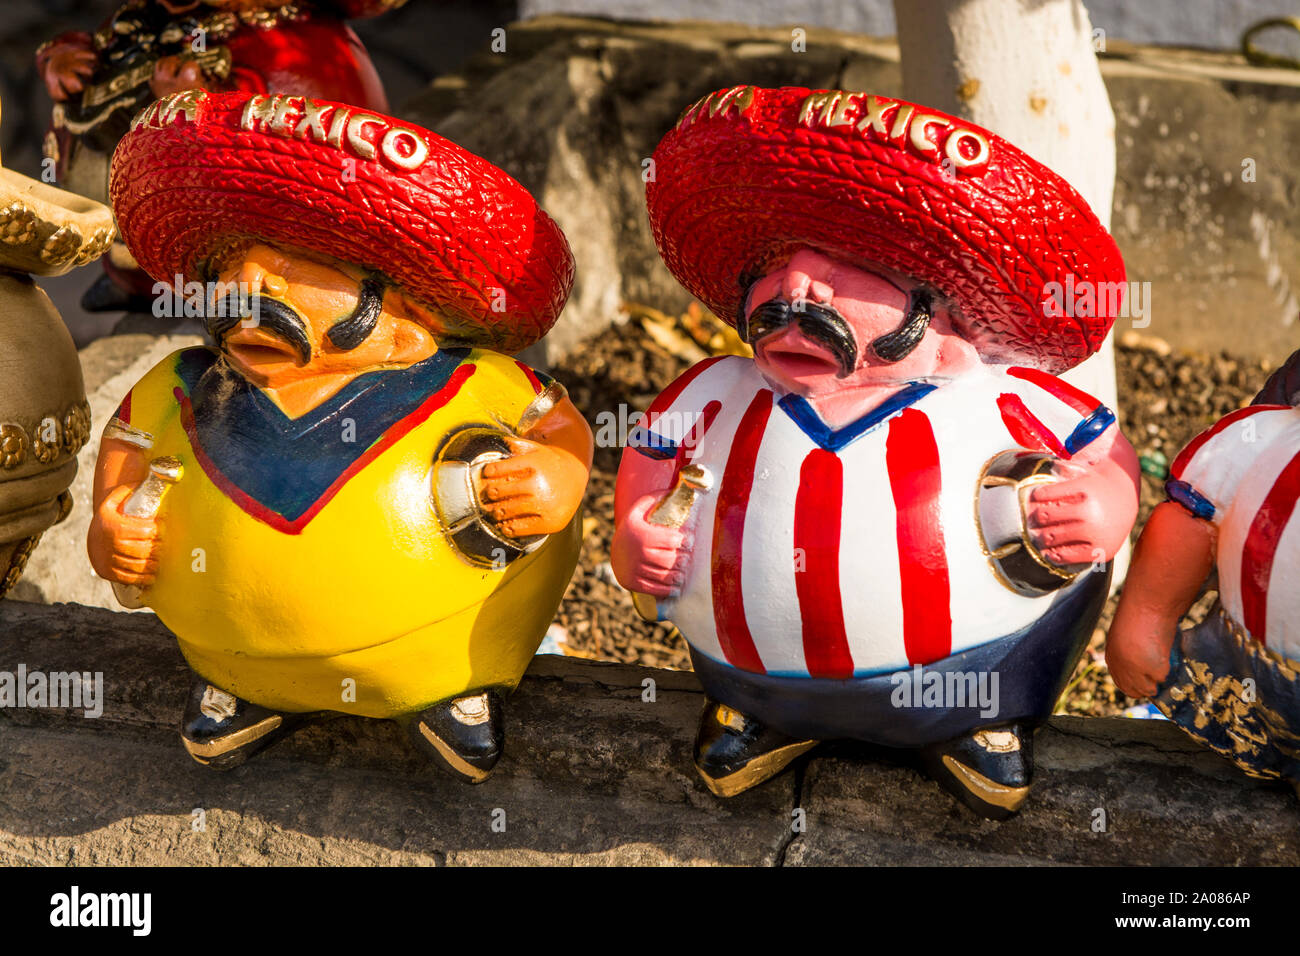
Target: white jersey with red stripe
(844, 553)
(1244, 475)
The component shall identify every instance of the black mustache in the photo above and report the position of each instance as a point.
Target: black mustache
(281, 318)
(271, 314)
(825, 324)
(817, 321)
(897, 345)
(348, 333)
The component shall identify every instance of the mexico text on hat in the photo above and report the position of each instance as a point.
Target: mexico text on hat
(355, 131)
(932, 136)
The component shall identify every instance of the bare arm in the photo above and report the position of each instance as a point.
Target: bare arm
(1173, 558)
(121, 549)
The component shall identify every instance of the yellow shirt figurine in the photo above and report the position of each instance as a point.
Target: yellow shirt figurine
(356, 502)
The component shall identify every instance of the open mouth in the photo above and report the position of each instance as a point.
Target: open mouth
(796, 356)
(260, 354)
(257, 347)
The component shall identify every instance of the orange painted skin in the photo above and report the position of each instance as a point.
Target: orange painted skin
(1171, 563)
(534, 491)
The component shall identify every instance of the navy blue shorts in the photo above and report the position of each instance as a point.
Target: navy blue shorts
(1032, 666)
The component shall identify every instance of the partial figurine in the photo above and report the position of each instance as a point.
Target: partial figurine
(1230, 523)
(44, 418)
(895, 523)
(147, 49)
(358, 502)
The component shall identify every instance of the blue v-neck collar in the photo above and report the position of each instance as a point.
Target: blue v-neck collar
(831, 439)
(286, 465)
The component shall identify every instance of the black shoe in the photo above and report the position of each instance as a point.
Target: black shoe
(734, 752)
(989, 770)
(105, 295)
(465, 735)
(221, 731)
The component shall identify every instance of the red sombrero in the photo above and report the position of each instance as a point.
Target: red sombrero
(750, 175)
(199, 171)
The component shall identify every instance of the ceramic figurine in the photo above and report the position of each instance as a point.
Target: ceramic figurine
(1233, 681)
(44, 418)
(902, 501)
(357, 503)
(150, 48)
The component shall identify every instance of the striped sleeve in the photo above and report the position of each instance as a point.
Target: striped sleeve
(150, 404)
(1043, 412)
(1205, 475)
(673, 420)
(537, 379)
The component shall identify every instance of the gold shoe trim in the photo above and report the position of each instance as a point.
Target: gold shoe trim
(1000, 795)
(203, 752)
(997, 741)
(471, 711)
(756, 771)
(457, 763)
(729, 718)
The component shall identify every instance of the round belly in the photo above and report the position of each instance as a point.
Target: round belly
(372, 565)
(1257, 564)
(488, 643)
(850, 584)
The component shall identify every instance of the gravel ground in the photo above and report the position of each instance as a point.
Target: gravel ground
(1166, 398)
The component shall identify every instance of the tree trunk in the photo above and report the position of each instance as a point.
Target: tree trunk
(1027, 70)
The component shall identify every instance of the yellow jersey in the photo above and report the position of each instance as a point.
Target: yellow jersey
(302, 563)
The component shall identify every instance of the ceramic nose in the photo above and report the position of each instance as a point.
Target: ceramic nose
(255, 277)
(798, 284)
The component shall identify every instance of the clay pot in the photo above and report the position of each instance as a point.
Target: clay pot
(44, 418)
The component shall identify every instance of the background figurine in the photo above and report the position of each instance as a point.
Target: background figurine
(352, 504)
(150, 48)
(902, 499)
(44, 418)
(1232, 681)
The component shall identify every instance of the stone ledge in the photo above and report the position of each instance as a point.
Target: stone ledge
(592, 774)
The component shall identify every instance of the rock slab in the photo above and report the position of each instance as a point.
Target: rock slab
(595, 773)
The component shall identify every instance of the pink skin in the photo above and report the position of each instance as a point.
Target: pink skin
(1083, 517)
(873, 303)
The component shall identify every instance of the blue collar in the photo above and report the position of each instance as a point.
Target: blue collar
(803, 415)
(287, 464)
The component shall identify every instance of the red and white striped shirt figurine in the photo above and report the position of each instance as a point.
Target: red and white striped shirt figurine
(816, 554)
(897, 481)
(1243, 474)
(1231, 680)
